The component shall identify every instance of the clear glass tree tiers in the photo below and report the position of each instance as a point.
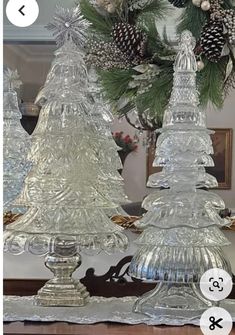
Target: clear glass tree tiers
(15, 145)
(181, 238)
(74, 179)
(103, 125)
(176, 264)
(73, 182)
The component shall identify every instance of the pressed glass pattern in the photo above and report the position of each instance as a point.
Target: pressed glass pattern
(16, 143)
(73, 184)
(181, 238)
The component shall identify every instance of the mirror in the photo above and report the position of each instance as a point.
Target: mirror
(32, 62)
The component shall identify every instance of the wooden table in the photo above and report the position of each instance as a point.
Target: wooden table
(62, 328)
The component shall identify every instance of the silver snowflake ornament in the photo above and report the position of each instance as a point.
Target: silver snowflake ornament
(11, 79)
(69, 24)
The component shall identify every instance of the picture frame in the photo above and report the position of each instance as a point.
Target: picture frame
(222, 171)
(222, 144)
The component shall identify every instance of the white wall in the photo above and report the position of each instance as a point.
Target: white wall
(226, 119)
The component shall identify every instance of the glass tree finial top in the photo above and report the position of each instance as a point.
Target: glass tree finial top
(185, 59)
(11, 80)
(68, 25)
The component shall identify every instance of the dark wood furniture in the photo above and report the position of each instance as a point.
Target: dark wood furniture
(62, 328)
(112, 284)
(29, 123)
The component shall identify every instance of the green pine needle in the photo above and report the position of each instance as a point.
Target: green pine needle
(99, 23)
(130, 106)
(154, 44)
(115, 83)
(193, 19)
(157, 97)
(211, 82)
(227, 4)
(157, 9)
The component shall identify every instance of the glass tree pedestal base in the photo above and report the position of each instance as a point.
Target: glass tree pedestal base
(62, 290)
(172, 301)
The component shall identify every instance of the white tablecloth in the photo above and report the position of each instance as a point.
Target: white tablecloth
(99, 309)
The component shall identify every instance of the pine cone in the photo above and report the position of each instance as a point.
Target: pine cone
(107, 56)
(212, 40)
(178, 3)
(130, 40)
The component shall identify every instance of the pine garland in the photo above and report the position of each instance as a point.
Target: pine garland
(210, 83)
(154, 44)
(157, 97)
(115, 83)
(155, 9)
(99, 24)
(229, 84)
(193, 19)
(144, 83)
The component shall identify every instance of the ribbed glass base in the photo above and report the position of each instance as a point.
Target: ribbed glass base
(62, 290)
(74, 294)
(173, 301)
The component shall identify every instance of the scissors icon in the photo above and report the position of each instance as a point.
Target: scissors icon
(215, 323)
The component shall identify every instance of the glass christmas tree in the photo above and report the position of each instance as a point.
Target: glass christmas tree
(67, 187)
(101, 110)
(16, 144)
(181, 238)
(102, 116)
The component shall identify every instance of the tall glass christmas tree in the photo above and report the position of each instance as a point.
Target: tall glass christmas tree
(67, 187)
(16, 145)
(181, 238)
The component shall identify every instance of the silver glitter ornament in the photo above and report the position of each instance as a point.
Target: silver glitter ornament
(200, 65)
(68, 25)
(205, 6)
(229, 23)
(197, 3)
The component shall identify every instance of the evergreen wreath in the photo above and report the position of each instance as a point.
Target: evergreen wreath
(135, 64)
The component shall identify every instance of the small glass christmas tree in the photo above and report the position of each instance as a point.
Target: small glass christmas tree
(103, 119)
(101, 111)
(68, 186)
(16, 145)
(181, 238)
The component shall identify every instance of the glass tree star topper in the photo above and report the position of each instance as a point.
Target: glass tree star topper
(68, 25)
